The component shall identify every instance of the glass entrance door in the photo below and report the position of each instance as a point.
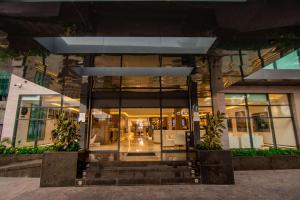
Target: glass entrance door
(140, 134)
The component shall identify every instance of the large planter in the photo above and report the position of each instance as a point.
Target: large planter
(20, 165)
(266, 162)
(59, 169)
(215, 166)
(15, 158)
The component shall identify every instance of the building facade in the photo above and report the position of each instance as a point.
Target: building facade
(142, 84)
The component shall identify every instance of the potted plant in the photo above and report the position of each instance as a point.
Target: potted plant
(215, 164)
(60, 168)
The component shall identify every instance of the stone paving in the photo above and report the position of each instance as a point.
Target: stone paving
(273, 185)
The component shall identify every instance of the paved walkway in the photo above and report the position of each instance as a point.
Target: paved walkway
(273, 185)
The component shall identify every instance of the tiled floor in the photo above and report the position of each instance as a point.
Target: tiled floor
(256, 185)
(134, 144)
(139, 144)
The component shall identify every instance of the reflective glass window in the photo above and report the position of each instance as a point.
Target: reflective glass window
(257, 99)
(140, 61)
(290, 61)
(284, 132)
(235, 99)
(107, 61)
(171, 61)
(278, 99)
(281, 111)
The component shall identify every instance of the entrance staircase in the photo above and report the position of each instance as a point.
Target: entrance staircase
(138, 173)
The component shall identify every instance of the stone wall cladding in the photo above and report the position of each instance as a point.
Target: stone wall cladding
(266, 162)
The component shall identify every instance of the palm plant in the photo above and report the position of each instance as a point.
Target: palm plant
(66, 135)
(211, 140)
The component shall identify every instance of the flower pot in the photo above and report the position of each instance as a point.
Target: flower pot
(59, 169)
(215, 166)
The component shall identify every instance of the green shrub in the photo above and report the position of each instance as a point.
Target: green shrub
(2, 149)
(66, 134)
(35, 150)
(259, 152)
(211, 139)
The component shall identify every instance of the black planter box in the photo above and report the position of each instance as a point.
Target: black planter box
(266, 162)
(15, 158)
(59, 169)
(215, 166)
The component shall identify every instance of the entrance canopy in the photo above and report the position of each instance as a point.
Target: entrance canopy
(133, 71)
(139, 45)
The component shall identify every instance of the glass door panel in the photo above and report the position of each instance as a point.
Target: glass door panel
(104, 130)
(140, 130)
(175, 122)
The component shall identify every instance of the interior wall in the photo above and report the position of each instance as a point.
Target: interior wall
(295, 104)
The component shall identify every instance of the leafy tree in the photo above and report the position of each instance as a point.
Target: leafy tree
(66, 135)
(211, 140)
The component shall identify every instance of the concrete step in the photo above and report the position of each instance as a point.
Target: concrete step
(136, 168)
(136, 163)
(139, 172)
(140, 181)
(133, 173)
(22, 169)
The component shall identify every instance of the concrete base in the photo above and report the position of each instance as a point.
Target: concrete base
(59, 169)
(215, 167)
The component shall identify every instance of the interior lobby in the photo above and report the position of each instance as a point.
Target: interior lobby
(140, 129)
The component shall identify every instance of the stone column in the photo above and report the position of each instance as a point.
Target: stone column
(85, 104)
(295, 106)
(84, 100)
(194, 102)
(218, 96)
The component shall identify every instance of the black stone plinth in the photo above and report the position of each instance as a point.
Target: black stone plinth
(15, 158)
(59, 169)
(215, 167)
(266, 162)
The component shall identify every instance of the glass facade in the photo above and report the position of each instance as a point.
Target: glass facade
(203, 91)
(36, 117)
(140, 114)
(154, 111)
(260, 121)
(54, 72)
(238, 64)
(4, 88)
(289, 61)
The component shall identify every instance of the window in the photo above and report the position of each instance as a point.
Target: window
(107, 61)
(104, 129)
(282, 120)
(203, 91)
(4, 83)
(289, 61)
(257, 99)
(260, 121)
(37, 116)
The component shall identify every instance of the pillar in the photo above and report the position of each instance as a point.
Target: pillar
(194, 108)
(218, 96)
(84, 100)
(295, 109)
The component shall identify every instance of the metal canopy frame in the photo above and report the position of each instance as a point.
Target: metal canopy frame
(133, 71)
(136, 45)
